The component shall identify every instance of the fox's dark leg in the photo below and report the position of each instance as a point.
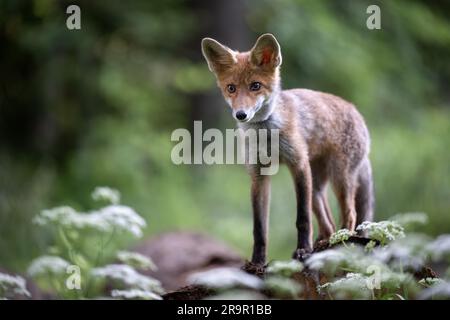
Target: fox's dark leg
(303, 187)
(260, 204)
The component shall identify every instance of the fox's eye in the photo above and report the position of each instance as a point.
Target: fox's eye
(255, 86)
(231, 88)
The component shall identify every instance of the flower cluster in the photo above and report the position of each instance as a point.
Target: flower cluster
(440, 290)
(12, 286)
(135, 294)
(383, 231)
(354, 285)
(385, 272)
(47, 265)
(439, 248)
(408, 220)
(283, 287)
(341, 236)
(107, 219)
(285, 268)
(429, 282)
(224, 278)
(333, 261)
(136, 260)
(408, 252)
(106, 194)
(127, 277)
(73, 229)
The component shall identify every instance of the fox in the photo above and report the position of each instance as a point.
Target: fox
(323, 139)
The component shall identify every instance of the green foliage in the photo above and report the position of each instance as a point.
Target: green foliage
(73, 270)
(387, 272)
(384, 272)
(341, 236)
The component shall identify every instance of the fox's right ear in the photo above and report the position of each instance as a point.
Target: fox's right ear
(218, 56)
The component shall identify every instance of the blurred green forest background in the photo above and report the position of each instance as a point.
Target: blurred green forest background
(96, 107)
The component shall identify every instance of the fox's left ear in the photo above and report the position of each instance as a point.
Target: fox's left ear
(266, 52)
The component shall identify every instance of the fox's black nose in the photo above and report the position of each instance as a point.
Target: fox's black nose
(241, 115)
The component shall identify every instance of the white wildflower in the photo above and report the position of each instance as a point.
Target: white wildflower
(383, 231)
(404, 253)
(113, 217)
(429, 282)
(237, 295)
(354, 285)
(286, 268)
(48, 265)
(128, 276)
(341, 236)
(136, 260)
(393, 280)
(135, 294)
(283, 286)
(439, 291)
(334, 260)
(225, 278)
(328, 261)
(123, 218)
(106, 194)
(439, 248)
(11, 286)
(70, 218)
(407, 220)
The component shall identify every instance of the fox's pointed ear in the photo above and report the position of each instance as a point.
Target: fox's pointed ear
(266, 52)
(218, 56)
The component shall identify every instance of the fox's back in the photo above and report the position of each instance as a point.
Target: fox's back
(327, 123)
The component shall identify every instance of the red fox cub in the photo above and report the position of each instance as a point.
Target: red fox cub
(321, 138)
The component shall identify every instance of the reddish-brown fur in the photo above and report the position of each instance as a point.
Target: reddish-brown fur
(323, 138)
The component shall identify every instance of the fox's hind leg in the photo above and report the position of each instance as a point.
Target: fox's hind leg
(345, 184)
(323, 214)
(364, 200)
(328, 209)
(319, 200)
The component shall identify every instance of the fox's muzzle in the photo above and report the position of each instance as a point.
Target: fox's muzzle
(241, 115)
(245, 114)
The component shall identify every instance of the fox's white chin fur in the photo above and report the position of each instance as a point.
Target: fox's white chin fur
(263, 109)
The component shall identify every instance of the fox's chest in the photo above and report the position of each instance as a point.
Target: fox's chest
(271, 140)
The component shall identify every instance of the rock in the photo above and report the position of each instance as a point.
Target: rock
(179, 254)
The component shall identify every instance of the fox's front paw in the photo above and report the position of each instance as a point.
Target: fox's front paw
(301, 254)
(321, 244)
(257, 269)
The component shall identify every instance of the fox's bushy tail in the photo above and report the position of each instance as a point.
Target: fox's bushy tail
(365, 198)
